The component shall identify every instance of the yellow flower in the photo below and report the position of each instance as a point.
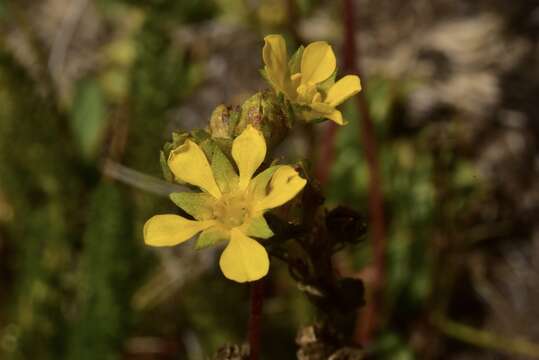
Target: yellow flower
(230, 206)
(307, 79)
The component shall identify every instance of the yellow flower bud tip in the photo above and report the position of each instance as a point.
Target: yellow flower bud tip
(230, 206)
(317, 65)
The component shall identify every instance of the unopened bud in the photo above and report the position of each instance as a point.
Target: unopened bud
(265, 111)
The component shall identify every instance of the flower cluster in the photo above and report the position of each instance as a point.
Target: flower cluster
(234, 197)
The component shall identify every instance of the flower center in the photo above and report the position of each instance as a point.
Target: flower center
(306, 93)
(232, 210)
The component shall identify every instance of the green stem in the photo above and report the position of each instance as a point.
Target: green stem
(486, 339)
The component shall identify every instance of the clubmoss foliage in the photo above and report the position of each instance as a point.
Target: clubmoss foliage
(106, 278)
(36, 177)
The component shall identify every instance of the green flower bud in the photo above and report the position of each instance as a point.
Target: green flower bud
(222, 121)
(266, 112)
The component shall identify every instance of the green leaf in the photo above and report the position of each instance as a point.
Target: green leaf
(198, 205)
(259, 228)
(88, 117)
(210, 237)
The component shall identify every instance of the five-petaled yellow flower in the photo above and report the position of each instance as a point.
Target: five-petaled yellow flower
(308, 82)
(230, 206)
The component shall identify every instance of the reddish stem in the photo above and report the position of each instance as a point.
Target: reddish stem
(327, 154)
(255, 319)
(366, 325)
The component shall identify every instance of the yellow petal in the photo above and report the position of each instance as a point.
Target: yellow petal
(284, 185)
(189, 164)
(335, 116)
(244, 259)
(322, 108)
(317, 63)
(169, 230)
(249, 151)
(275, 58)
(343, 89)
(312, 115)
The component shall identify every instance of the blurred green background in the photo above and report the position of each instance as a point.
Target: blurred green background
(91, 89)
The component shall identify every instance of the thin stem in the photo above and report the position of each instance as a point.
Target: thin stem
(366, 326)
(327, 154)
(255, 320)
(486, 339)
(139, 180)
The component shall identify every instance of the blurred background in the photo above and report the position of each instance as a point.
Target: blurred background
(91, 89)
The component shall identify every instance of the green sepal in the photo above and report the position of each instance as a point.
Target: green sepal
(290, 114)
(261, 181)
(200, 135)
(233, 120)
(210, 237)
(225, 145)
(198, 205)
(294, 64)
(326, 84)
(178, 138)
(259, 228)
(167, 174)
(264, 75)
(223, 171)
(208, 146)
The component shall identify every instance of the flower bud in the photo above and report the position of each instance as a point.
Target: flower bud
(266, 112)
(222, 121)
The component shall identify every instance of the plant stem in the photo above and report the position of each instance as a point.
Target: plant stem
(368, 322)
(255, 319)
(327, 154)
(485, 339)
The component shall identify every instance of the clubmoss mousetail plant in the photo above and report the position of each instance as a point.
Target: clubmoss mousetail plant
(240, 194)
